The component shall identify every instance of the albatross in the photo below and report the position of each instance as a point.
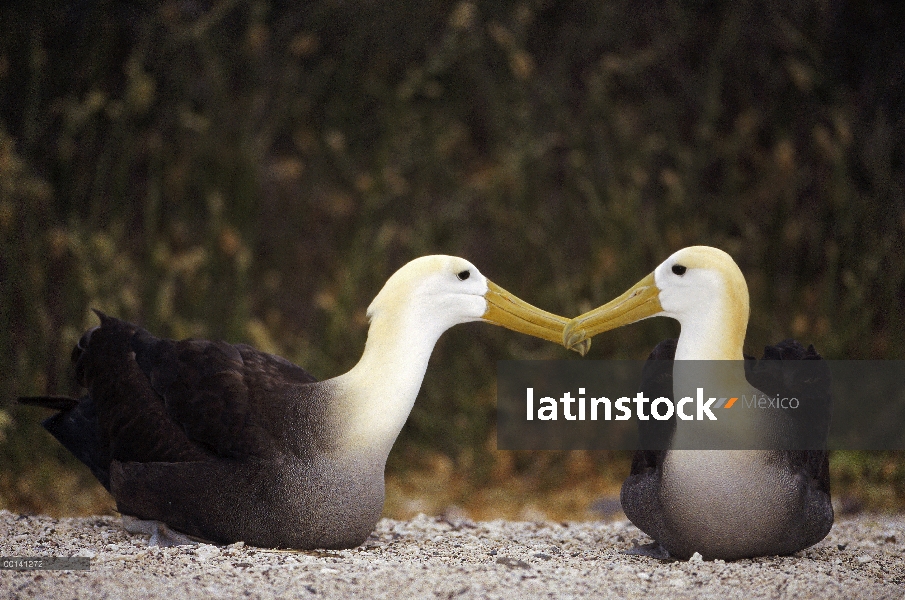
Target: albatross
(205, 440)
(725, 504)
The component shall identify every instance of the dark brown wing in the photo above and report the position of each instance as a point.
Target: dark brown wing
(154, 400)
(229, 400)
(802, 374)
(654, 435)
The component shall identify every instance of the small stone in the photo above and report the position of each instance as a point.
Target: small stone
(542, 556)
(644, 576)
(512, 563)
(696, 558)
(864, 558)
(206, 551)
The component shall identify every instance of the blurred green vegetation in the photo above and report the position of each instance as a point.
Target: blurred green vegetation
(254, 171)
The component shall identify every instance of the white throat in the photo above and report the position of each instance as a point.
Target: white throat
(373, 400)
(713, 331)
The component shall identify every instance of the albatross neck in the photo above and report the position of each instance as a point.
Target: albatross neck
(712, 337)
(709, 355)
(375, 397)
(715, 329)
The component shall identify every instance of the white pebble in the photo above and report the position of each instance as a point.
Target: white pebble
(206, 551)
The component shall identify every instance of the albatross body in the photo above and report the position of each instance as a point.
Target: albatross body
(225, 443)
(725, 504)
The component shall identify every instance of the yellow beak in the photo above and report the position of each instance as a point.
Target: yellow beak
(512, 313)
(639, 302)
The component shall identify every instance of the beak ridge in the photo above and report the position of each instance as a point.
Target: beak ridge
(509, 311)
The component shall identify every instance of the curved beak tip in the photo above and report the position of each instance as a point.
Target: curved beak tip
(582, 347)
(576, 339)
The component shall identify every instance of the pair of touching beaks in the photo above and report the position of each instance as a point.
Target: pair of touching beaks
(639, 302)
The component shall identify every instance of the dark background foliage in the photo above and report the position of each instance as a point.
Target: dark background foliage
(254, 171)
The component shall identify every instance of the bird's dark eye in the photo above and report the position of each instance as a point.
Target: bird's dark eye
(679, 269)
(463, 275)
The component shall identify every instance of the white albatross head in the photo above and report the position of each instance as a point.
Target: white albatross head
(699, 286)
(434, 293)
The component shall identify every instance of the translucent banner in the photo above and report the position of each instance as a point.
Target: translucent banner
(701, 405)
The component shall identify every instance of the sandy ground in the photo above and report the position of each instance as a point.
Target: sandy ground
(437, 557)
